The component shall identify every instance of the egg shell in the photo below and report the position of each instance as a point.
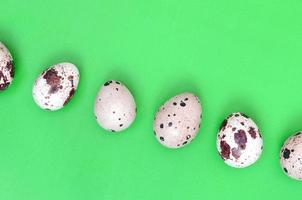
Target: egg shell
(54, 88)
(177, 122)
(291, 156)
(6, 68)
(114, 107)
(239, 141)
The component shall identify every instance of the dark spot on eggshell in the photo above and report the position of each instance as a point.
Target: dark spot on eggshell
(185, 142)
(240, 138)
(225, 150)
(234, 129)
(186, 99)
(298, 133)
(10, 68)
(242, 123)
(170, 124)
(292, 150)
(117, 82)
(244, 115)
(4, 85)
(252, 132)
(53, 80)
(70, 78)
(286, 153)
(71, 93)
(112, 130)
(182, 104)
(223, 125)
(162, 138)
(121, 125)
(53, 90)
(6, 82)
(107, 83)
(161, 125)
(285, 170)
(236, 153)
(230, 115)
(237, 115)
(188, 137)
(116, 89)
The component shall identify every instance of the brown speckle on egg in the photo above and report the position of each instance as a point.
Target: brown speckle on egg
(240, 138)
(252, 132)
(53, 79)
(236, 153)
(225, 150)
(71, 93)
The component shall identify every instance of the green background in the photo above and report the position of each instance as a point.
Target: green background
(236, 55)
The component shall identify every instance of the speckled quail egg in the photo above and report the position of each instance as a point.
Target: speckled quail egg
(114, 107)
(291, 156)
(54, 88)
(6, 68)
(178, 121)
(239, 141)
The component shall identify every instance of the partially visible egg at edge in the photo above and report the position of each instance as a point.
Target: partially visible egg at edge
(7, 71)
(291, 156)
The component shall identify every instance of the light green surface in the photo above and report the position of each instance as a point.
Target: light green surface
(236, 55)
